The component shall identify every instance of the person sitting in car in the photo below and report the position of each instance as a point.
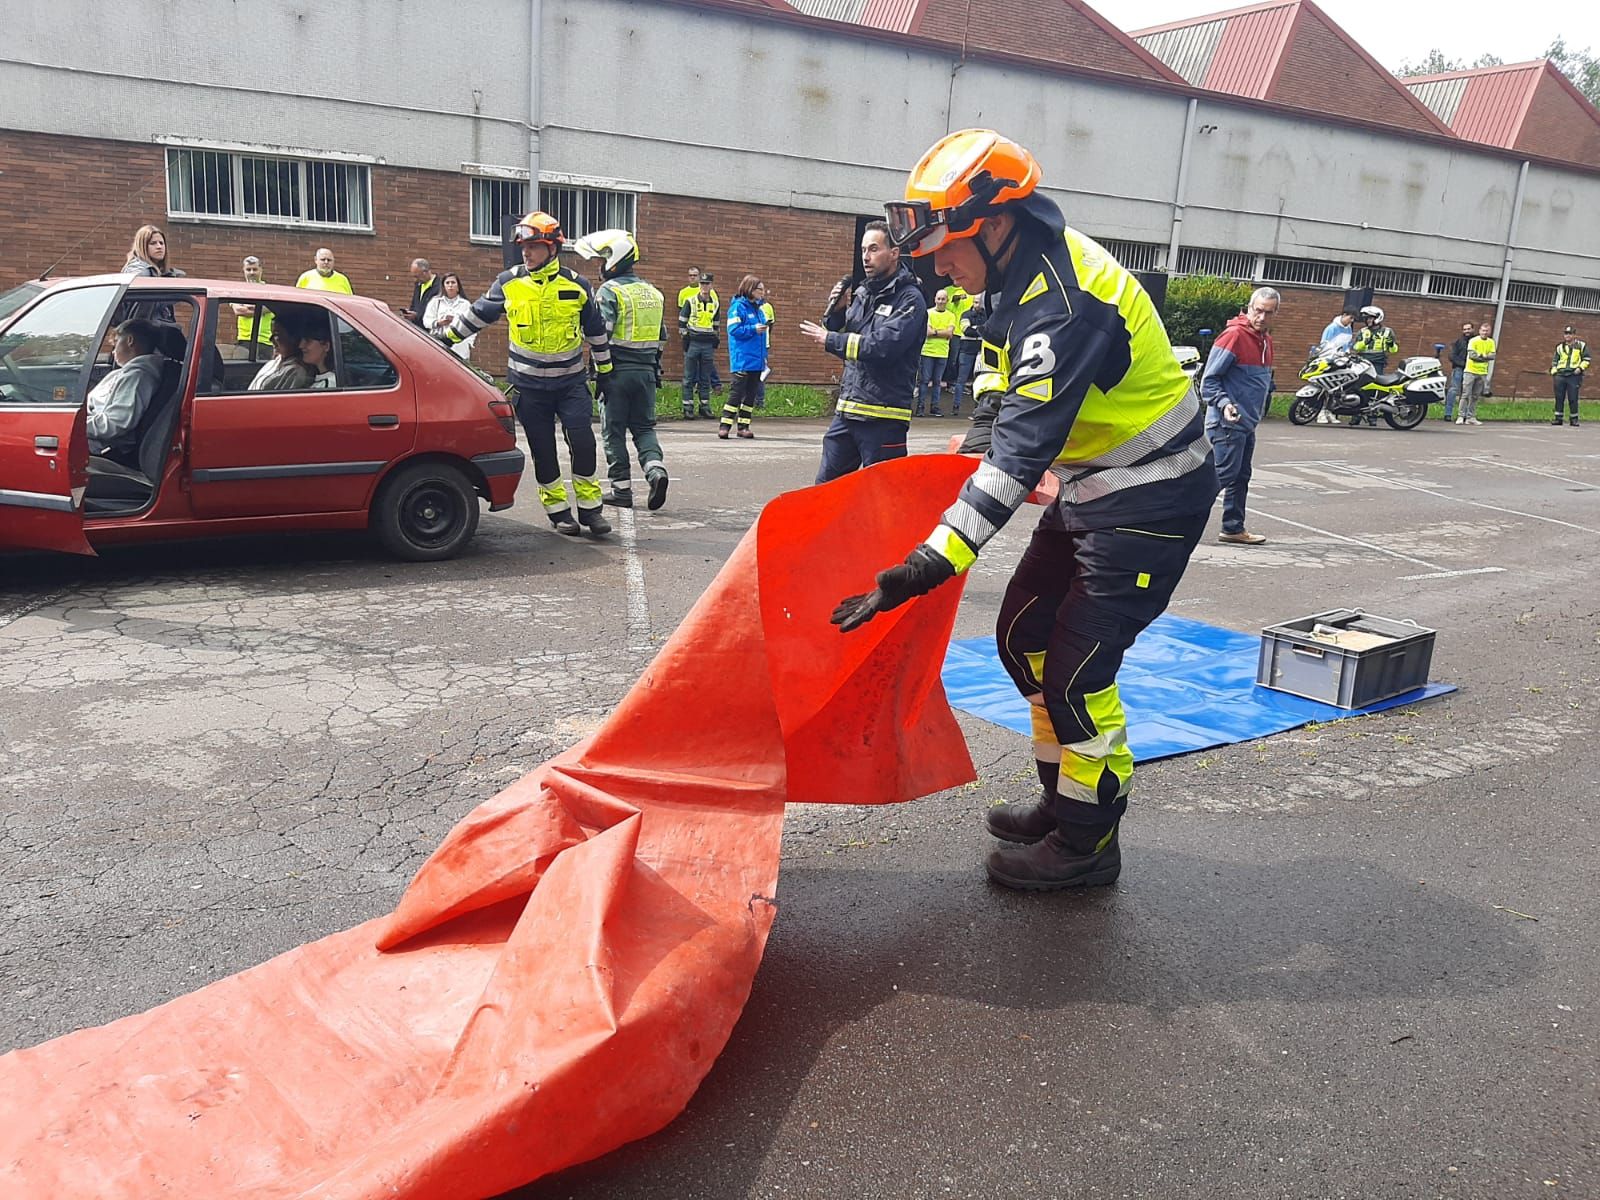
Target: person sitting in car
(285, 371)
(118, 401)
(316, 347)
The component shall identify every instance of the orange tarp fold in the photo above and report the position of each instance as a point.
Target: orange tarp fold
(564, 969)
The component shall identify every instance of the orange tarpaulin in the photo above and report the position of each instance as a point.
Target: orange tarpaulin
(565, 968)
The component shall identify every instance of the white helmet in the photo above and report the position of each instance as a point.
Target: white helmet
(1373, 313)
(617, 247)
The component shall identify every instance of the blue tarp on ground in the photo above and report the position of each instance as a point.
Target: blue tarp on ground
(1186, 686)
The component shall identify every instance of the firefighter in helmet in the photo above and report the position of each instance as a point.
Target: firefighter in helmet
(1081, 382)
(552, 317)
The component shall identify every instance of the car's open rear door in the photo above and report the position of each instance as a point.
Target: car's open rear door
(44, 469)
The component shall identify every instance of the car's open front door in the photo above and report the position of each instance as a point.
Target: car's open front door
(44, 469)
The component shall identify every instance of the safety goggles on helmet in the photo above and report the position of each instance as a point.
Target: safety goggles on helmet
(916, 226)
(538, 227)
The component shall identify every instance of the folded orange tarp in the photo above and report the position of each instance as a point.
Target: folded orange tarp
(565, 968)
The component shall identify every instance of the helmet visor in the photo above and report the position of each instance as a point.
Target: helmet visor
(527, 233)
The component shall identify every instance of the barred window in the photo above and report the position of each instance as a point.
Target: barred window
(1227, 264)
(1535, 295)
(583, 210)
(1307, 271)
(268, 190)
(1136, 256)
(1390, 280)
(1582, 299)
(493, 200)
(1460, 287)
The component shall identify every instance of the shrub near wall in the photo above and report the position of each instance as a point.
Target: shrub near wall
(1196, 302)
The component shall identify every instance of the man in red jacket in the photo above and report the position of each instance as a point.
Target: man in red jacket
(1236, 386)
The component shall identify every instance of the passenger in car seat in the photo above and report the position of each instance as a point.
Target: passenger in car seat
(316, 347)
(118, 401)
(286, 370)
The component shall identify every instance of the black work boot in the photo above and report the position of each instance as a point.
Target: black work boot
(564, 523)
(594, 521)
(658, 489)
(619, 497)
(1071, 859)
(1024, 821)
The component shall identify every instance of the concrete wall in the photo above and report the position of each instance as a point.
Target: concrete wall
(697, 102)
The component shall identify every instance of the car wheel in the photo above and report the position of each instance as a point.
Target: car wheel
(425, 512)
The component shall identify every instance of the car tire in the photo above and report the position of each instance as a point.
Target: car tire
(425, 512)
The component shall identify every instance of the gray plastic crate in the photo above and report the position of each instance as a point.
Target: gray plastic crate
(1294, 661)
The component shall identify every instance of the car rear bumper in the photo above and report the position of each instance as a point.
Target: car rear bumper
(502, 470)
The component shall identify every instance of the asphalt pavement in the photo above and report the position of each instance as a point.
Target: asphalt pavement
(1354, 960)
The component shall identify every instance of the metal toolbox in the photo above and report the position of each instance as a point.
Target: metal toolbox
(1345, 657)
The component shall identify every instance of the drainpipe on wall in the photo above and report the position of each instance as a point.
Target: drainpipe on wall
(535, 112)
(1183, 186)
(1511, 246)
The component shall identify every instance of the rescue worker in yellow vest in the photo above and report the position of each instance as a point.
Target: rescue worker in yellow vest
(1087, 388)
(552, 317)
(697, 328)
(959, 303)
(249, 329)
(633, 311)
(1570, 361)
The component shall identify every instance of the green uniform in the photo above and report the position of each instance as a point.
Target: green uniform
(634, 312)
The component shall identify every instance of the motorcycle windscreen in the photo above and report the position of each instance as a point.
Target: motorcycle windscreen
(566, 967)
(44, 473)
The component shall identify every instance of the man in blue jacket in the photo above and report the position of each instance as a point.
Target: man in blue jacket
(880, 339)
(1236, 386)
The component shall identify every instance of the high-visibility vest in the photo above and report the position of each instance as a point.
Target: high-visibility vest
(1478, 345)
(263, 332)
(636, 332)
(703, 313)
(1569, 359)
(942, 322)
(318, 282)
(685, 293)
(766, 317)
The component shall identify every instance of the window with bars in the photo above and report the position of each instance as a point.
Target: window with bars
(1226, 264)
(266, 189)
(1392, 280)
(1308, 272)
(1582, 299)
(1136, 256)
(1460, 287)
(581, 210)
(1536, 295)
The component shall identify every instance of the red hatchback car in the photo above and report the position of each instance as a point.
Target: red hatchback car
(363, 422)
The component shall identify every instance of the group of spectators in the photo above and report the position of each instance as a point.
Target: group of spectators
(749, 324)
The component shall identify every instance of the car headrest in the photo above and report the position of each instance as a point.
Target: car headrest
(172, 343)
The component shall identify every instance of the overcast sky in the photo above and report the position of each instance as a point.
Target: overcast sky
(1399, 30)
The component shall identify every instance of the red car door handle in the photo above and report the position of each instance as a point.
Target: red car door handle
(47, 443)
(383, 420)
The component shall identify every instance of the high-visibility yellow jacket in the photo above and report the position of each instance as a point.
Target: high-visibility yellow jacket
(551, 317)
(633, 311)
(1570, 360)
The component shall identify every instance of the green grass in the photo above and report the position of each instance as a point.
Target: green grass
(1527, 412)
(783, 400)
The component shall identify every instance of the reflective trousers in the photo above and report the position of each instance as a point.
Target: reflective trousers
(1567, 390)
(630, 408)
(741, 402)
(1073, 607)
(538, 409)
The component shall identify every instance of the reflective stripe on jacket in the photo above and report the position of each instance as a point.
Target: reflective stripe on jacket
(880, 339)
(747, 346)
(551, 316)
(1092, 392)
(1570, 360)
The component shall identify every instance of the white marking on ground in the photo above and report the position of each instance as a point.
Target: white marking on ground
(638, 598)
(1422, 562)
(1495, 462)
(1455, 574)
(1427, 491)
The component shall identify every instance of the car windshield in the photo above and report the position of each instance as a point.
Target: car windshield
(17, 297)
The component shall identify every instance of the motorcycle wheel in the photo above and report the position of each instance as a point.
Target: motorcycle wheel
(1406, 415)
(1304, 410)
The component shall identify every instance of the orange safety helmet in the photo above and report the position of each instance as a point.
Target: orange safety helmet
(964, 177)
(539, 227)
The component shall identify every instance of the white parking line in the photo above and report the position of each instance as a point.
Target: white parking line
(1495, 462)
(633, 571)
(1421, 562)
(1456, 574)
(1514, 512)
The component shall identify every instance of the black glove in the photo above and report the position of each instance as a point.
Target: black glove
(982, 431)
(923, 570)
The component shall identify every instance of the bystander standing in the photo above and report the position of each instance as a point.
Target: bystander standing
(425, 286)
(322, 277)
(697, 329)
(935, 354)
(1567, 366)
(250, 328)
(1475, 377)
(1458, 367)
(1236, 385)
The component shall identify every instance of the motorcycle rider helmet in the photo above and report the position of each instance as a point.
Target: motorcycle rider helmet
(539, 227)
(617, 248)
(964, 177)
(1372, 313)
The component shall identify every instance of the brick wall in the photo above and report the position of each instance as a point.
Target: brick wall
(57, 191)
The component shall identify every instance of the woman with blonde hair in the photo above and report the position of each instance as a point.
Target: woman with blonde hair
(148, 254)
